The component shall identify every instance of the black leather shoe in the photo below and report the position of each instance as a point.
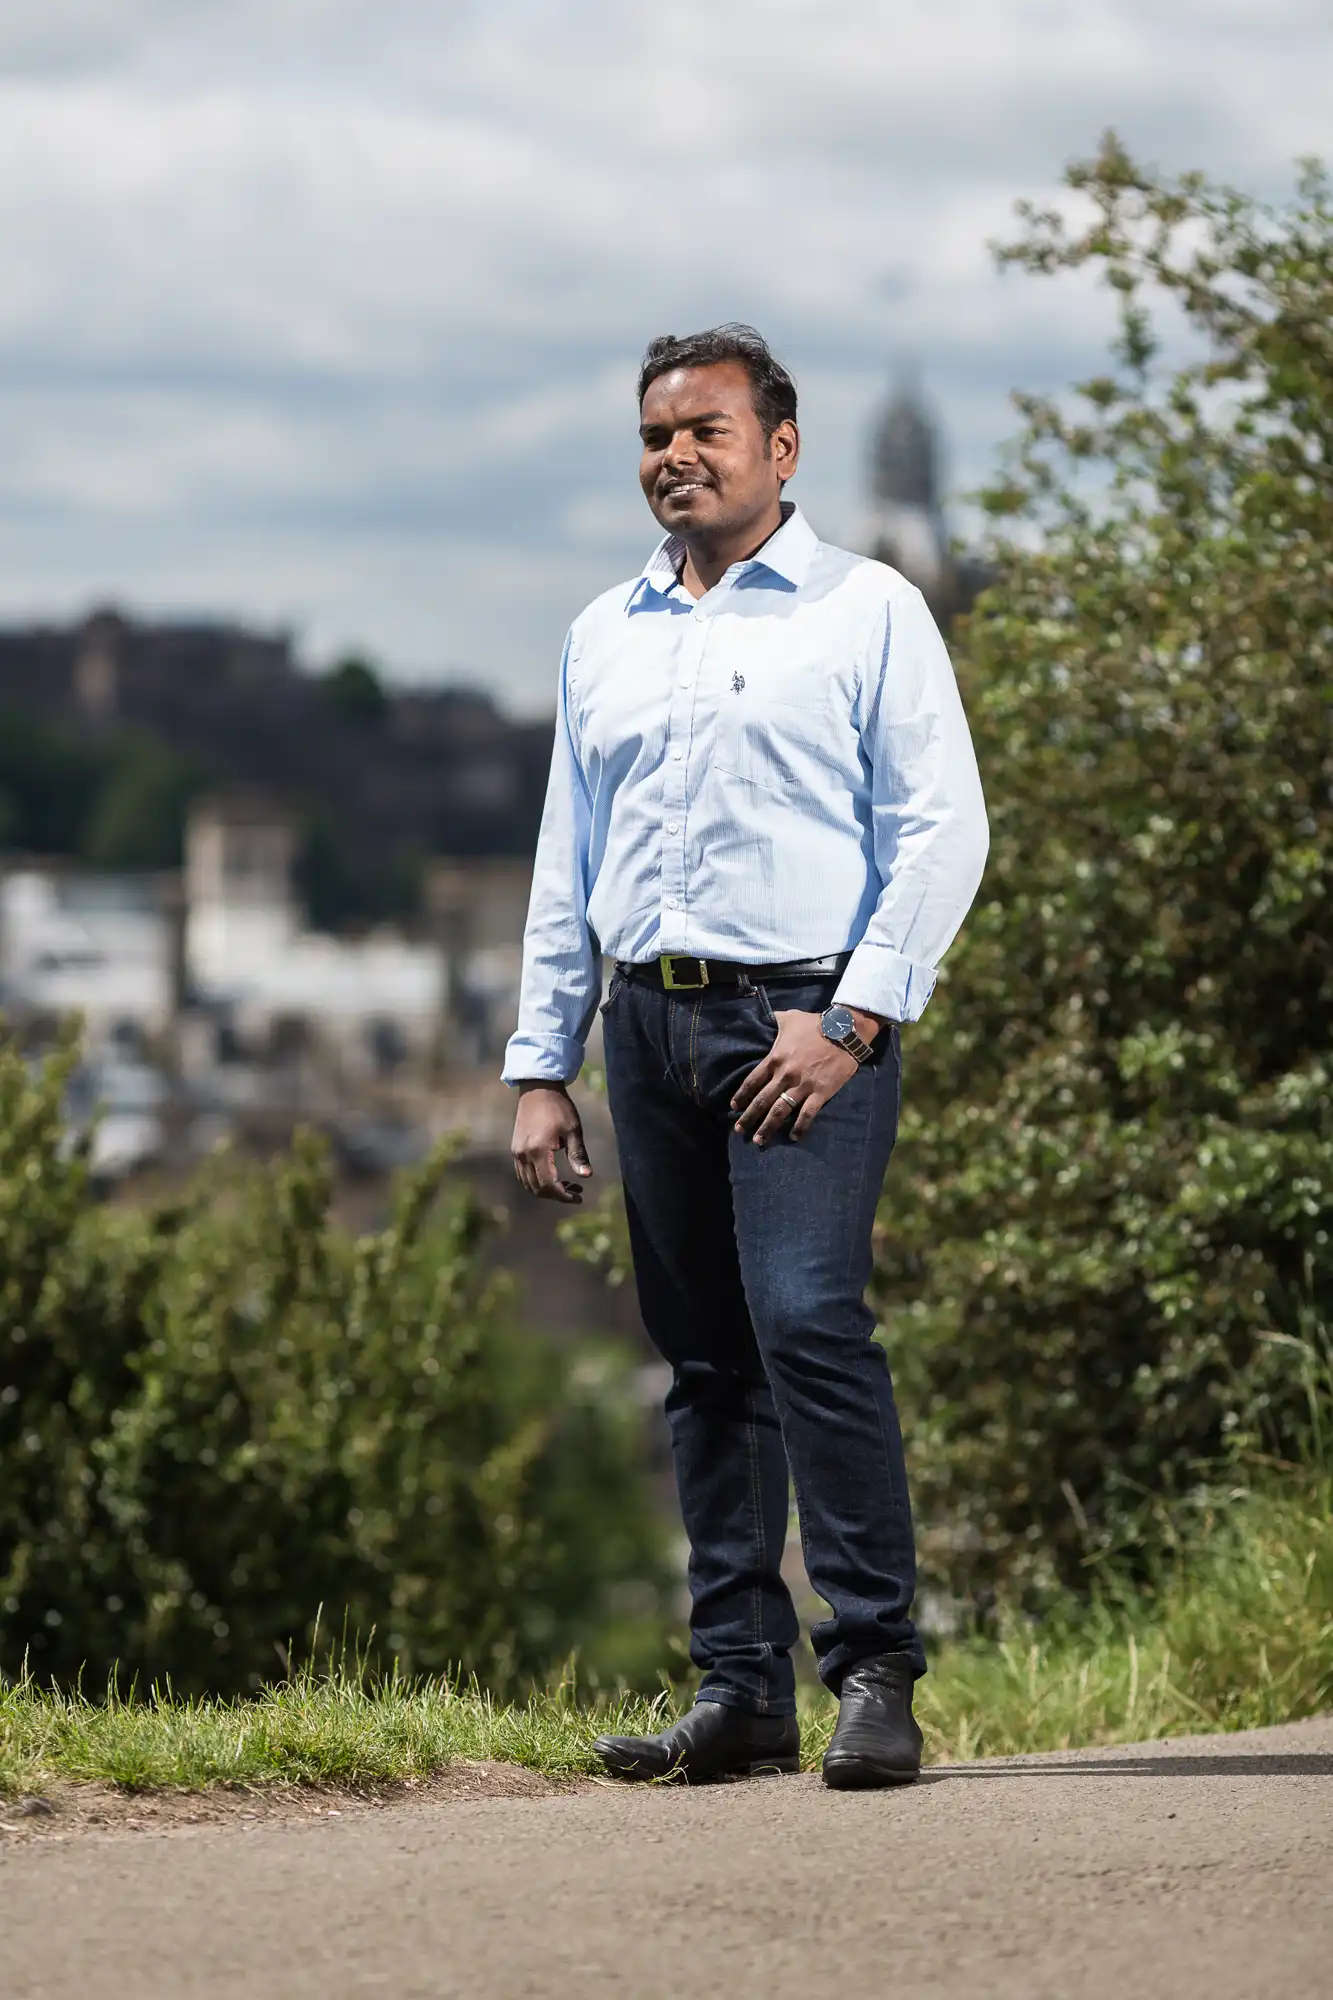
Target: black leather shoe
(711, 1741)
(877, 1740)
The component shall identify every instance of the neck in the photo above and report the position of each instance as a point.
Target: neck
(708, 560)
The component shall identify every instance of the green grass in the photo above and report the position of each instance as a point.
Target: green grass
(1238, 1635)
(319, 1728)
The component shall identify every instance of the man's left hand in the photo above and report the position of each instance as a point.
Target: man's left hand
(807, 1066)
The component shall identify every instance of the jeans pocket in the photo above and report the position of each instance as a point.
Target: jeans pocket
(613, 991)
(765, 1006)
(799, 996)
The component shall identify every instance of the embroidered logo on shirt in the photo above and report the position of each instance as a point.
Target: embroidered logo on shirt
(737, 683)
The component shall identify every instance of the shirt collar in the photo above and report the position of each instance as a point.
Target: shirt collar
(788, 552)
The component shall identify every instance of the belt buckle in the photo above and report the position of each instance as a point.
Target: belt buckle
(669, 960)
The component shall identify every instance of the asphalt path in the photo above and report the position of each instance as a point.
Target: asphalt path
(1193, 1867)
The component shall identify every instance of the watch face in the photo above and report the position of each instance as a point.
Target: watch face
(838, 1023)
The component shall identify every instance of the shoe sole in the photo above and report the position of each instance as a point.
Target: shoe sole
(763, 1767)
(857, 1777)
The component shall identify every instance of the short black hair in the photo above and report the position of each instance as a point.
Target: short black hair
(774, 390)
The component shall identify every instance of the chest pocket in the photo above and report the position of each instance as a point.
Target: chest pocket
(771, 729)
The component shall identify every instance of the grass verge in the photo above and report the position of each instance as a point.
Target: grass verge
(1239, 1635)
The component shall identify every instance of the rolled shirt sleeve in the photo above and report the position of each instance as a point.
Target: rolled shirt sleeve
(927, 812)
(561, 968)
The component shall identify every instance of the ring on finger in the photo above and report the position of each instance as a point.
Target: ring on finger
(785, 1097)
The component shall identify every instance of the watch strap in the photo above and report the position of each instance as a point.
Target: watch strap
(856, 1047)
(851, 1041)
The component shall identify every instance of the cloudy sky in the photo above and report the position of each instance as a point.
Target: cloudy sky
(326, 312)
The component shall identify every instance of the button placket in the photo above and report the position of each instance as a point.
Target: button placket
(675, 790)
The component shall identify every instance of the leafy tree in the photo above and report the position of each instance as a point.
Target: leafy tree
(219, 1415)
(115, 802)
(355, 692)
(1116, 1172)
(137, 819)
(49, 780)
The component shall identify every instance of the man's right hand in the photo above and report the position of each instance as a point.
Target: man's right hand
(547, 1124)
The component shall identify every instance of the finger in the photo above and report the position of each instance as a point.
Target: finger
(811, 1106)
(550, 1185)
(563, 1191)
(759, 1077)
(757, 1110)
(781, 1113)
(576, 1152)
(523, 1167)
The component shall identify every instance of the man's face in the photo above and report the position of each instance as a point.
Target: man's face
(707, 468)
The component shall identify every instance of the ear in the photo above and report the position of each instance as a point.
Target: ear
(785, 449)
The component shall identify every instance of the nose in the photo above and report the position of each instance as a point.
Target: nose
(680, 451)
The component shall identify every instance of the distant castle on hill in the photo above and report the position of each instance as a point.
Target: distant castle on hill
(420, 772)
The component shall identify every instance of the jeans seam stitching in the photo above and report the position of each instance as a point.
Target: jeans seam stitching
(851, 1252)
(694, 1047)
(879, 1412)
(756, 1501)
(672, 1073)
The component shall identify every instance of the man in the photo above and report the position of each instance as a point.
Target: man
(764, 806)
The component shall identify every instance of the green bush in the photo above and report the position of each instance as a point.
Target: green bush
(1113, 1194)
(220, 1414)
(1115, 1182)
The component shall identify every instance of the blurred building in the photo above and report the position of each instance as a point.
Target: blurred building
(108, 669)
(102, 946)
(476, 911)
(336, 936)
(419, 772)
(106, 948)
(211, 1008)
(907, 526)
(268, 984)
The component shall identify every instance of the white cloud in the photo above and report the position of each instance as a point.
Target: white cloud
(328, 310)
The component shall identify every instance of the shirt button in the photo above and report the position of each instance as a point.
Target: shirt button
(676, 756)
(673, 902)
(673, 826)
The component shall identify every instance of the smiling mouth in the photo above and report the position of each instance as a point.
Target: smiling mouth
(683, 488)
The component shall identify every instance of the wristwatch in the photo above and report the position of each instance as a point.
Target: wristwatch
(838, 1026)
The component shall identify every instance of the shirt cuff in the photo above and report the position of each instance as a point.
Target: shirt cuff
(542, 1059)
(881, 981)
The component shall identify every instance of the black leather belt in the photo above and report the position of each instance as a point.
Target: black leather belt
(675, 973)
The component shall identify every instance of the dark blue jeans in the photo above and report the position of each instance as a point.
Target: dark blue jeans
(751, 1264)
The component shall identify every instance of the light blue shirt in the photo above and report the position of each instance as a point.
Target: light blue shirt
(780, 770)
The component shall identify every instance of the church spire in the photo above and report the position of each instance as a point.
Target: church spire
(905, 455)
(906, 527)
